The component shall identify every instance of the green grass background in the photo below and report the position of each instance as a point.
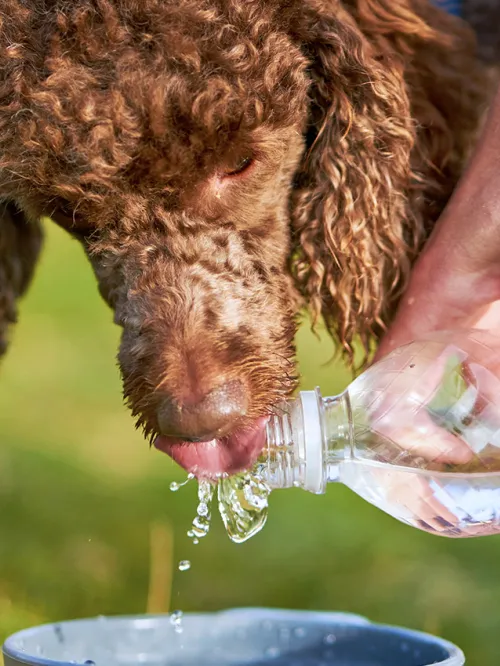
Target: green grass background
(81, 494)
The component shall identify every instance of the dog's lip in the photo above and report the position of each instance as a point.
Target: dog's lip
(227, 455)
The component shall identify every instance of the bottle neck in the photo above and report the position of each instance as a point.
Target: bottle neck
(338, 428)
(306, 442)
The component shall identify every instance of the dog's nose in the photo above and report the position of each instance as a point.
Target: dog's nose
(208, 417)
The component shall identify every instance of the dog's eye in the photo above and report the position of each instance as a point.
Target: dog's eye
(241, 165)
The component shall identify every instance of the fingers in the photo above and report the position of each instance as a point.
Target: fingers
(433, 444)
(402, 415)
(417, 499)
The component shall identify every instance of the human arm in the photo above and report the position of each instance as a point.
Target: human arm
(456, 281)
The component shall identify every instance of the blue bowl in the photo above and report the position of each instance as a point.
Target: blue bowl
(241, 637)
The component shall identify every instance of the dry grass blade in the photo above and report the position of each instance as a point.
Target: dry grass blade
(161, 568)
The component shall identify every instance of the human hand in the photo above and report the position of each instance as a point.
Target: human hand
(454, 285)
(445, 293)
(435, 424)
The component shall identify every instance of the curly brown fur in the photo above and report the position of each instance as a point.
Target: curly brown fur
(396, 123)
(130, 123)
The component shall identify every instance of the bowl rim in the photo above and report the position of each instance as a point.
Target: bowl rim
(12, 651)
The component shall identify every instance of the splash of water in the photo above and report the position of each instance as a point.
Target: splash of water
(243, 505)
(201, 523)
(176, 621)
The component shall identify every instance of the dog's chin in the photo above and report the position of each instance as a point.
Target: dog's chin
(228, 455)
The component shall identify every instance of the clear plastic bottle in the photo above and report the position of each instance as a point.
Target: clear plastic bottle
(417, 435)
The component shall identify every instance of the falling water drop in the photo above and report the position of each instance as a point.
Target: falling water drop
(176, 621)
(201, 523)
(175, 486)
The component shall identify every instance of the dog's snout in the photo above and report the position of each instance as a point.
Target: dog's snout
(203, 418)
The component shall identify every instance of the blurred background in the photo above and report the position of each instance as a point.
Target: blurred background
(89, 525)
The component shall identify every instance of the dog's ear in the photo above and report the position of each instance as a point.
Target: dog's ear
(20, 244)
(359, 210)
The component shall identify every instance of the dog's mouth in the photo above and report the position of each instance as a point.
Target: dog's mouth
(228, 455)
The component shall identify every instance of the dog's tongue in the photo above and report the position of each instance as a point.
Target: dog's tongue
(218, 456)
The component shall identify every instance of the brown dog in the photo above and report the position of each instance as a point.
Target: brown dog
(222, 163)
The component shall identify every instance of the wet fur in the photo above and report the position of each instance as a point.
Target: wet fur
(120, 118)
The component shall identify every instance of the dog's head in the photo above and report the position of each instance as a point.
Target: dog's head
(220, 160)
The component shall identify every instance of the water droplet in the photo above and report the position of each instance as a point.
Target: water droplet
(176, 621)
(203, 509)
(175, 486)
(405, 647)
(201, 526)
(329, 639)
(285, 634)
(184, 565)
(89, 662)
(273, 652)
(196, 542)
(299, 632)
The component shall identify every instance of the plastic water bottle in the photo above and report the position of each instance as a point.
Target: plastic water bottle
(417, 435)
